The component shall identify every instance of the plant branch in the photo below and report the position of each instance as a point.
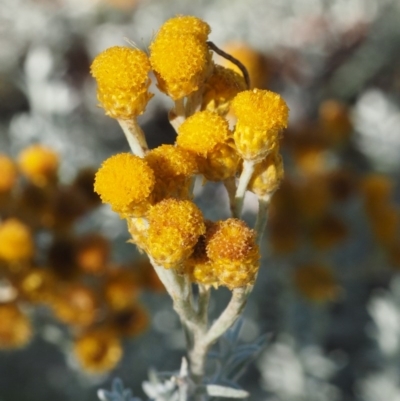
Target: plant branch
(135, 136)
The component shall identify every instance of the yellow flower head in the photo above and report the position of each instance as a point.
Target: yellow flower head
(186, 25)
(261, 117)
(175, 226)
(199, 266)
(122, 78)
(232, 248)
(220, 88)
(267, 175)
(221, 163)
(15, 327)
(202, 132)
(173, 168)
(316, 282)
(181, 63)
(39, 164)
(125, 182)
(137, 227)
(16, 242)
(98, 351)
(8, 175)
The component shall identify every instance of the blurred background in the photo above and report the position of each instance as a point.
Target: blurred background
(328, 292)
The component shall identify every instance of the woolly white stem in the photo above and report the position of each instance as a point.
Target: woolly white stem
(134, 136)
(245, 177)
(262, 216)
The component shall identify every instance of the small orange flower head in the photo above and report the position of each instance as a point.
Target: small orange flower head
(92, 253)
(15, 327)
(268, 174)
(175, 226)
(173, 168)
(37, 285)
(316, 282)
(8, 175)
(122, 78)
(76, 305)
(98, 350)
(202, 132)
(180, 57)
(121, 289)
(232, 248)
(131, 321)
(220, 88)
(261, 117)
(125, 182)
(16, 242)
(39, 164)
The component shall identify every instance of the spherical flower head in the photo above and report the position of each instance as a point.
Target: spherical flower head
(39, 164)
(122, 78)
(261, 117)
(15, 327)
(220, 88)
(125, 182)
(76, 305)
(121, 289)
(130, 321)
(137, 227)
(221, 163)
(181, 63)
(202, 132)
(199, 266)
(186, 25)
(173, 169)
(37, 285)
(92, 253)
(232, 248)
(16, 242)
(316, 282)
(174, 228)
(267, 175)
(98, 351)
(8, 175)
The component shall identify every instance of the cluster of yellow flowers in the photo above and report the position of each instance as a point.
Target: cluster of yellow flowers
(70, 274)
(222, 129)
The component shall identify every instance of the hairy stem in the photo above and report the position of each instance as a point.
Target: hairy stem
(262, 216)
(245, 177)
(135, 136)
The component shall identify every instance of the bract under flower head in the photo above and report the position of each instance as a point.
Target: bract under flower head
(39, 164)
(261, 116)
(202, 132)
(175, 226)
(125, 182)
(186, 25)
(122, 77)
(180, 63)
(16, 242)
(267, 175)
(232, 248)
